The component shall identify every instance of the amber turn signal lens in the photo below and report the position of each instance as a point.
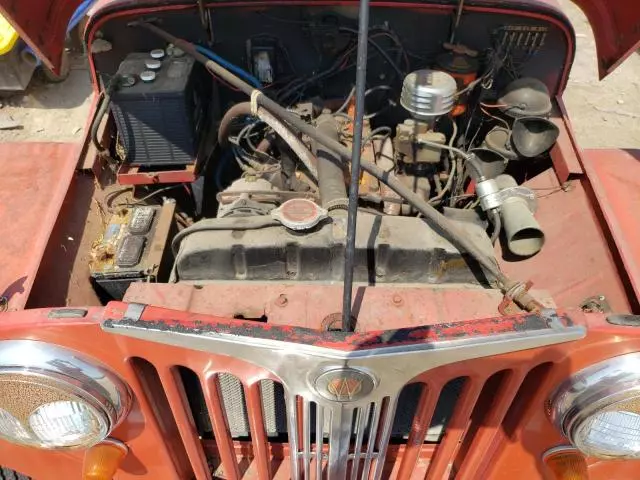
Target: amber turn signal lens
(103, 460)
(566, 463)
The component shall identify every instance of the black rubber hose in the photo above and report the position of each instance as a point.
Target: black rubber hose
(229, 223)
(103, 108)
(224, 130)
(333, 191)
(437, 220)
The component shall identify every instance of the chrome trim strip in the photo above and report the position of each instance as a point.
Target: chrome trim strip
(319, 439)
(297, 366)
(306, 433)
(339, 441)
(292, 415)
(361, 425)
(385, 435)
(371, 443)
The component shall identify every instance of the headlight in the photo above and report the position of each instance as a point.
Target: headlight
(598, 409)
(51, 397)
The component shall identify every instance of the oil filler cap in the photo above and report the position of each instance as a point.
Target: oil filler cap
(299, 214)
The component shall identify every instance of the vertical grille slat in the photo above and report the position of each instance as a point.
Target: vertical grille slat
(361, 425)
(487, 430)
(385, 434)
(441, 460)
(319, 439)
(258, 432)
(371, 441)
(221, 431)
(292, 416)
(152, 400)
(339, 440)
(170, 380)
(306, 438)
(419, 427)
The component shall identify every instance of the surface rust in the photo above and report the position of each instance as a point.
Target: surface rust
(34, 182)
(154, 318)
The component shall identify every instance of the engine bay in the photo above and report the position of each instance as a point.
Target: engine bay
(457, 109)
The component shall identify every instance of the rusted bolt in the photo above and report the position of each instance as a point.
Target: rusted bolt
(333, 323)
(397, 300)
(282, 300)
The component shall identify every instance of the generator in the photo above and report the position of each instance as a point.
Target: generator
(160, 109)
(133, 248)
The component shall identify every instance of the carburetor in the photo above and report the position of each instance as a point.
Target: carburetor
(411, 142)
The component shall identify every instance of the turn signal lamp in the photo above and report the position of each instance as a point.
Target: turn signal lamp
(566, 463)
(103, 460)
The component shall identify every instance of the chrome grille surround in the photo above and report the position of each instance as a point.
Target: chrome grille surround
(297, 366)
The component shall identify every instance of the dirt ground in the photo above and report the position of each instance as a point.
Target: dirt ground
(604, 114)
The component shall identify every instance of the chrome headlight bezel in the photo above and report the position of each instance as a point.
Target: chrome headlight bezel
(592, 392)
(57, 374)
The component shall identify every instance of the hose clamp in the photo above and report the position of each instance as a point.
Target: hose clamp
(492, 197)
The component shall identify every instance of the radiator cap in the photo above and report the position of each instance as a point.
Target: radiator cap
(299, 214)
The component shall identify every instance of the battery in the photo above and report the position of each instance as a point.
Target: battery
(160, 109)
(133, 248)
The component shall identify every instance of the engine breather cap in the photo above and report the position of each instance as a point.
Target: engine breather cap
(299, 214)
(427, 94)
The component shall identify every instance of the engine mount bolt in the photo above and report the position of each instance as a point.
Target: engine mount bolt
(397, 300)
(282, 301)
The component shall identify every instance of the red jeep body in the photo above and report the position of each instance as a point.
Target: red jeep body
(274, 335)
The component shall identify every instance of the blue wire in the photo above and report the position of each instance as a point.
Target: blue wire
(79, 14)
(229, 66)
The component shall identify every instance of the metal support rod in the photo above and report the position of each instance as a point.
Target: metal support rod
(454, 30)
(361, 84)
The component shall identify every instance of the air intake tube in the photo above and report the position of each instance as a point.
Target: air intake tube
(522, 231)
(516, 205)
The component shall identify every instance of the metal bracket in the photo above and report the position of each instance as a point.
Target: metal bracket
(508, 306)
(134, 312)
(596, 304)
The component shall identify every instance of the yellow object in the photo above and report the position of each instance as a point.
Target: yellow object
(8, 36)
(566, 463)
(103, 460)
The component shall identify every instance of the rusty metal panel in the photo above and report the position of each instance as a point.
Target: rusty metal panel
(575, 237)
(377, 308)
(33, 184)
(615, 178)
(42, 24)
